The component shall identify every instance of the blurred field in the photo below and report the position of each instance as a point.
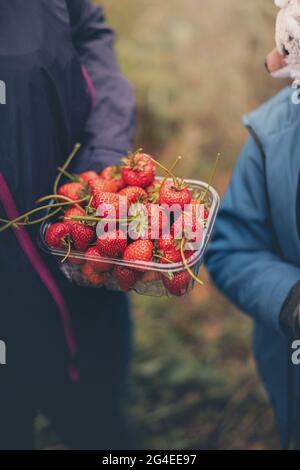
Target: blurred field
(197, 67)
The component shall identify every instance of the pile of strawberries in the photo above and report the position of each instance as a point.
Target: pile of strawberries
(93, 255)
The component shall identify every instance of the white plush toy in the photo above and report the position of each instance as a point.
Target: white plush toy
(287, 41)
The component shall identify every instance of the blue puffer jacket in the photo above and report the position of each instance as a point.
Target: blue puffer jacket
(254, 257)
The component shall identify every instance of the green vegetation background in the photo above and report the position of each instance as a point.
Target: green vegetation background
(197, 66)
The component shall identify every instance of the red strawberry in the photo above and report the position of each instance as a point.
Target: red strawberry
(71, 212)
(166, 243)
(113, 173)
(88, 176)
(100, 185)
(138, 170)
(174, 255)
(93, 276)
(73, 191)
(57, 235)
(140, 250)
(179, 283)
(171, 194)
(112, 244)
(134, 194)
(111, 200)
(126, 277)
(170, 251)
(82, 236)
(98, 264)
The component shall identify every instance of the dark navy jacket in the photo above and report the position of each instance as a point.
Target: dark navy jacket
(62, 86)
(254, 257)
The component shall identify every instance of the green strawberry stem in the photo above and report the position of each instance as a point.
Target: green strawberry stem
(163, 258)
(96, 219)
(171, 171)
(42, 219)
(68, 252)
(191, 273)
(160, 165)
(68, 175)
(65, 166)
(176, 182)
(63, 198)
(34, 211)
(212, 177)
(4, 221)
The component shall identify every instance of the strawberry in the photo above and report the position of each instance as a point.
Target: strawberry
(153, 192)
(112, 244)
(109, 199)
(71, 212)
(58, 235)
(178, 284)
(138, 170)
(170, 251)
(140, 250)
(99, 264)
(113, 173)
(126, 277)
(134, 194)
(174, 255)
(100, 185)
(166, 243)
(174, 194)
(73, 191)
(93, 276)
(82, 236)
(88, 176)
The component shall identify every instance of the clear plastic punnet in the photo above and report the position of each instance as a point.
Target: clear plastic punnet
(154, 276)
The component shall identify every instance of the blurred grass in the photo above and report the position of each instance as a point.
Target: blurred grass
(197, 68)
(194, 381)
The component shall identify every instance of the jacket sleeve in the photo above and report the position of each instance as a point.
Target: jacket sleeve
(242, 257)
(111, 125)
